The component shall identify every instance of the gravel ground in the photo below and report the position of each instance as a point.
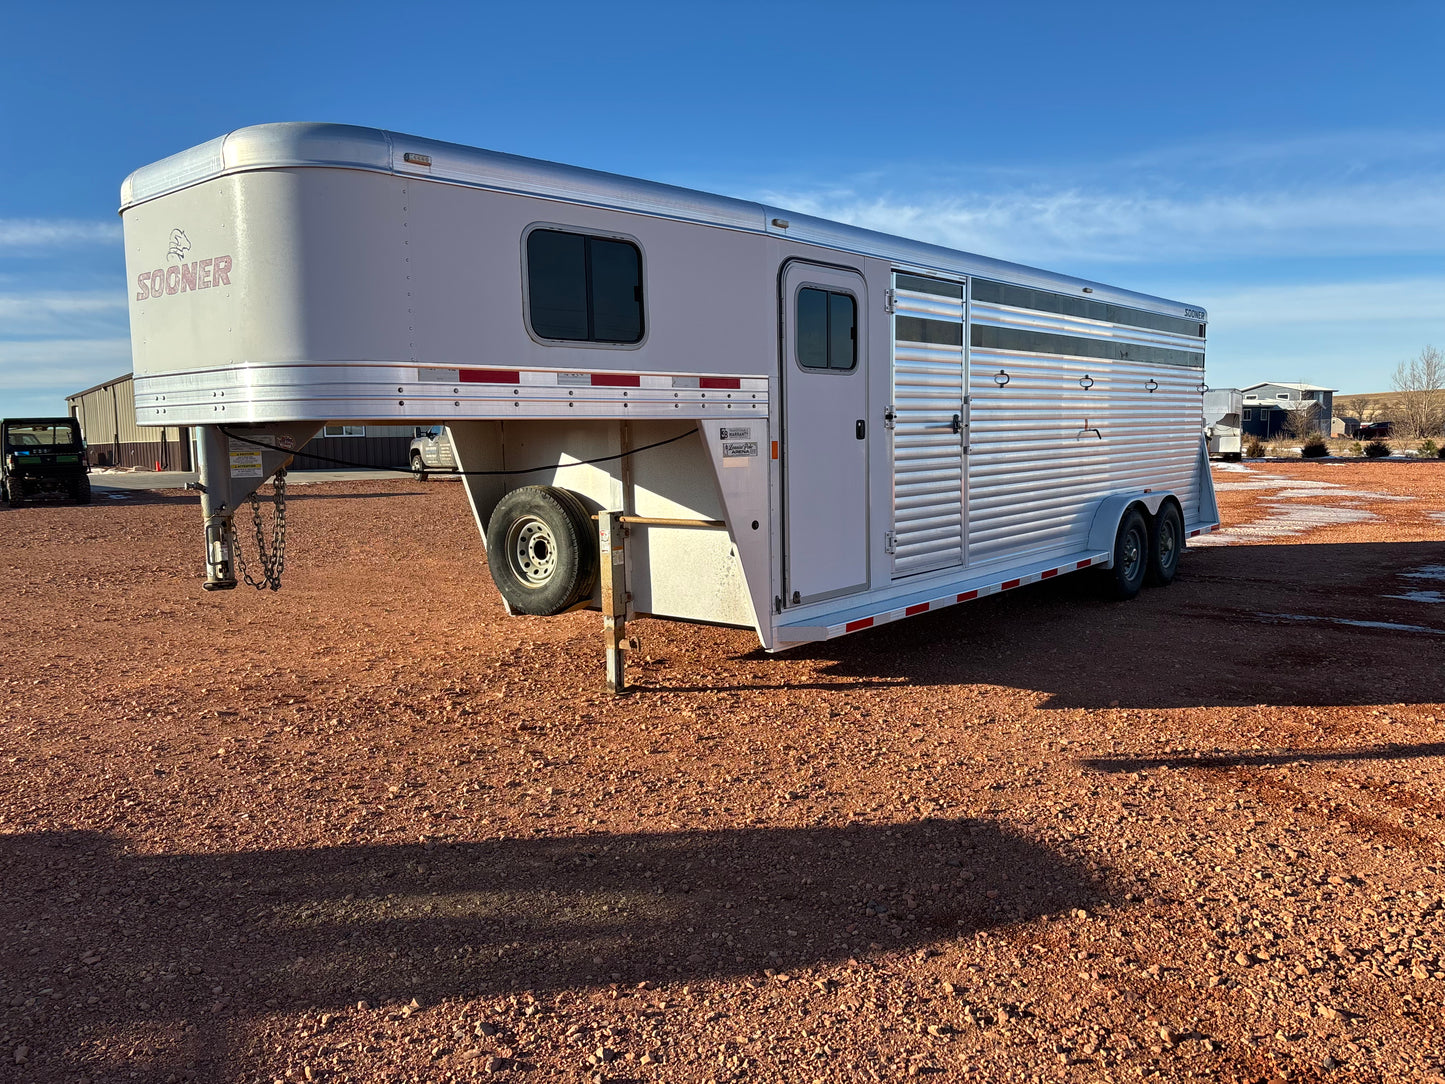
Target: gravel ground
(369, 829)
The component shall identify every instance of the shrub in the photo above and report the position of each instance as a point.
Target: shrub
(1377, 448)
(1357, 448)
(1254, 448)
(1441, 453)
(1427, 449)
(1314, 447)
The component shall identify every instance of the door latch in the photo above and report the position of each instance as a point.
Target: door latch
(890, 300)
(890, 541)
(889, 417)
(958, 423)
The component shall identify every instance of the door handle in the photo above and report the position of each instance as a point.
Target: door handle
(860, 429)
(958, 423)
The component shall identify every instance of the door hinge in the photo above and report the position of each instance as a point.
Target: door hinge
(890, 541)
(889, 416)
(890, 300)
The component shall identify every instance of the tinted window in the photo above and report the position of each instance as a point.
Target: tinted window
(827, 330)
(1045, 342)
(584, 289)
(915, 329)
(921, 285)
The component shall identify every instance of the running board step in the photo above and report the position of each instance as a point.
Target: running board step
(826, 626)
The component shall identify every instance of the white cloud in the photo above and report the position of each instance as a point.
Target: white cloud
(63, 365)
(50, 232)
(58, 313)
(1420, 299)
(1073, 225)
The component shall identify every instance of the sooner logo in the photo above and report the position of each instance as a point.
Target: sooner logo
(181, 277)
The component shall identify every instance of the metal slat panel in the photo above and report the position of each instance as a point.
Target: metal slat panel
(1035, 477)
(928, 475)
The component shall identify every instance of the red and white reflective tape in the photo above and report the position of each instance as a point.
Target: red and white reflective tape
(547, 378)
(953, 599)
(1203, 530)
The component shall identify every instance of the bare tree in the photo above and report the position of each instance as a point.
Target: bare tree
(1302, 419)
(1360, 407)
(1419, 406)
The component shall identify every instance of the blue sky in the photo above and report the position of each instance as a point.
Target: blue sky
(1282, 164)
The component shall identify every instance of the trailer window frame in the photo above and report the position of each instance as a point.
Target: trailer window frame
(587, 234)
(829, 292)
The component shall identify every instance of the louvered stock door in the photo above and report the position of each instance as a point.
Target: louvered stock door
(930, 425)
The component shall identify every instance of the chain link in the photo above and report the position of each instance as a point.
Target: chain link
(273, 562)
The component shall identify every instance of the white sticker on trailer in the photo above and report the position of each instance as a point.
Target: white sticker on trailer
(246, 464)
(740, 449)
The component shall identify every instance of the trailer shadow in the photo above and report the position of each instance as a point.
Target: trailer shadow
(104, 943)
(1218, 761)
(1241, 625)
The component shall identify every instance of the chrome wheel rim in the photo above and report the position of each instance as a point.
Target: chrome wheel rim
(532, 551)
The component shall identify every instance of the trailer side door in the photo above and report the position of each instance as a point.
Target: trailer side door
(929, 420)
(825, 432)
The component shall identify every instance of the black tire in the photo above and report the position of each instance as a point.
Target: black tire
(1131, 556)
(418, 466)
(80, 490)
(12, 493)
(1166, 545)
(542, 550)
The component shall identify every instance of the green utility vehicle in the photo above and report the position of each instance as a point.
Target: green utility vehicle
(43, 457)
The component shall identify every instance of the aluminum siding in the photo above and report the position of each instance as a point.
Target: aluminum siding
(1046, 450)
(927, 454)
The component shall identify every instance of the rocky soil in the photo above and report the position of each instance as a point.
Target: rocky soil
(369, 829)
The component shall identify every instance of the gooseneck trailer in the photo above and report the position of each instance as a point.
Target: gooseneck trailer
(665, 402)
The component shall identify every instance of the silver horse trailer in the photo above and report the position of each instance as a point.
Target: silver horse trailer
(664, 402)
(1223, 427)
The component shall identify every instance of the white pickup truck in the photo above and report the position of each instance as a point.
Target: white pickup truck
(432, 448)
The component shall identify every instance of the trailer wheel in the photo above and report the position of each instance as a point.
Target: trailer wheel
(1166, 544)
(1131, 556)
(542, 550)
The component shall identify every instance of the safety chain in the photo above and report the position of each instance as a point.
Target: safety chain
(274, 562)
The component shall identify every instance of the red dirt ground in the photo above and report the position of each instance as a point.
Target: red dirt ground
(369, 829)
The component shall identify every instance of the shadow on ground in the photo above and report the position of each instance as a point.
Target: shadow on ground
(99, 942)
(1260, 760)
(1197, 643)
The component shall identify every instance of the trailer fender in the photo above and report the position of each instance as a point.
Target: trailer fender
(1110, 514)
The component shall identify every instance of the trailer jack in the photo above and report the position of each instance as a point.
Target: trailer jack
(613, 529)
(233, 463)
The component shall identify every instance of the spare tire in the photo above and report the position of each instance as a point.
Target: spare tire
(542, 550)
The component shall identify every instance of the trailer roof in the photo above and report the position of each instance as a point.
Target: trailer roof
(344, 146)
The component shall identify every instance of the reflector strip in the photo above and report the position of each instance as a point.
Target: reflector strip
(721, 383)
(1008, 585)
(921, 607)
(616, 380)
(862, 623)
(1084, 564)
(488, 376)
(1050, 574)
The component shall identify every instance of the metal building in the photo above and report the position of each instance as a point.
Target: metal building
(106, 414)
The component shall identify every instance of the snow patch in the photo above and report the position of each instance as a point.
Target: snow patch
(1389, 626)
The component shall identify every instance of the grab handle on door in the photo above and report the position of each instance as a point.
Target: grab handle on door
(958, 423)
(860, 429)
